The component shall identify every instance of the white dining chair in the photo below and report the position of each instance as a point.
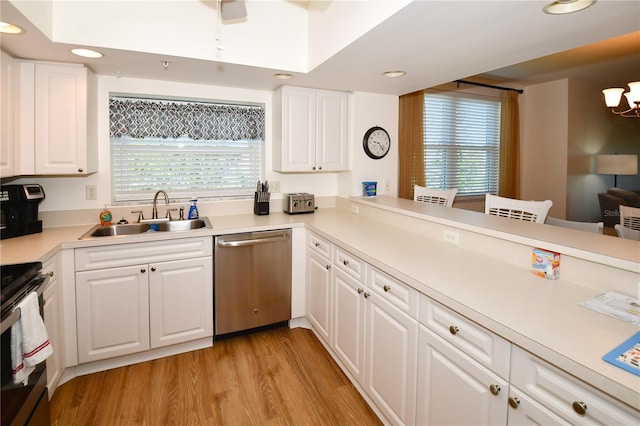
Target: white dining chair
(627, 233)
(531, 211)
(630, 217)
(595, 227)
(442, 197)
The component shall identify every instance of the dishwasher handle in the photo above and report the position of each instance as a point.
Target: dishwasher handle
(241, 243)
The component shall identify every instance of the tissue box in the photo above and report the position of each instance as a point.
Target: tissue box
(546, 263)
(369, 189)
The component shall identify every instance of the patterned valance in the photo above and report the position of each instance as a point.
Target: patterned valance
(145, 118)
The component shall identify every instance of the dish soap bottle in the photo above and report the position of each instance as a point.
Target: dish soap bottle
(193, 210)
(105, 217)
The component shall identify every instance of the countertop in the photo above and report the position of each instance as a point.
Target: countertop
(537, 314)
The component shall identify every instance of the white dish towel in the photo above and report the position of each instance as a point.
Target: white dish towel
(29, 340)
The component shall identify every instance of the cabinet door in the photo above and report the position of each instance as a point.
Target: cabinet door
(298, 130)
(392, 340)
(6, 115)
(525, 411)
(454, 389)
(319, 295)
(348, 331)
(52, 324)
(180, 301)
(331, 130)
(60, 119)
(112, 312)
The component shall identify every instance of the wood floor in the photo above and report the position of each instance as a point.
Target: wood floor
(275, 377)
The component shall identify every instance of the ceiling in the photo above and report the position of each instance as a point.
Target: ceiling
(506, 42)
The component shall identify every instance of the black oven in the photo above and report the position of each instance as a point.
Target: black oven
(21, 404)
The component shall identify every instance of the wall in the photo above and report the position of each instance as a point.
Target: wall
(564, 125)
(366, 109)
(543, 133)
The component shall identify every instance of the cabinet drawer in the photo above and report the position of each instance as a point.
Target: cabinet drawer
(393, 291)
(487, 348)
(50, 267)
(319, 245)
(136, 253)
(349, 264)
(565, 395)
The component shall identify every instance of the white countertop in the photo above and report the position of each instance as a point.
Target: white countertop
(539, 315)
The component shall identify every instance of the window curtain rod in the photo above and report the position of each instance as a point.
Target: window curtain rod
(486, 85)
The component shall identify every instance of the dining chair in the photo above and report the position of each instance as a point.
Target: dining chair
(630, 217)
(531, 211)
(627, 233)
(442, 197)
(596, 227)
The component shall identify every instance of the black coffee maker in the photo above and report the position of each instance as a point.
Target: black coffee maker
(19, 210)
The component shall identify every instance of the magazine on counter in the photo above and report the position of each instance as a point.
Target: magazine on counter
(615, 305)
(626, 355)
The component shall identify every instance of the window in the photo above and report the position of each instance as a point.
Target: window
(462, 143)
(206, 150)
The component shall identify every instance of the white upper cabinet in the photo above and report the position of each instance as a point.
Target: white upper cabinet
(310, 130)
(53, 121)
(6, 116)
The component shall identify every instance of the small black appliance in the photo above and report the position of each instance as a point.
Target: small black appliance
(19, 210)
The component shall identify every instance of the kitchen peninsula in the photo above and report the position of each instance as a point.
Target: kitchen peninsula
(485, 278)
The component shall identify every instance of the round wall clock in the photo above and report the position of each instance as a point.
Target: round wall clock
(376, 142)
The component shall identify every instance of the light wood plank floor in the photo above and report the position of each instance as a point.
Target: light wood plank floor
(275, 377)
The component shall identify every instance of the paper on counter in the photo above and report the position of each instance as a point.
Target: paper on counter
(616, 305)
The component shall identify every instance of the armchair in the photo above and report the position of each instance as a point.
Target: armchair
(610, 202)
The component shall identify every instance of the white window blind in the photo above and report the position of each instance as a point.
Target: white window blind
(221, 157)
(462, 143)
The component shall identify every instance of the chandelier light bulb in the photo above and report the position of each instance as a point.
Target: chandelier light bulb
(613, 96)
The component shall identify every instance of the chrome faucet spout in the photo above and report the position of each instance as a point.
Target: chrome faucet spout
(154, 211)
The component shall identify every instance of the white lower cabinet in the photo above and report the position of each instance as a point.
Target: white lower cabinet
(52, 322)
(319, 290)
(349, 319)
(455, 389)
(569, 398)
(134, 308)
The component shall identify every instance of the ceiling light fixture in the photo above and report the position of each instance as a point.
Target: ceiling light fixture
(613, 96)
(7, 28)
(393, 74)
(87, 53)
(561, 7)
(282, 76)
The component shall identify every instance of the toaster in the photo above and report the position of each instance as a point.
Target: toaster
(299, 203)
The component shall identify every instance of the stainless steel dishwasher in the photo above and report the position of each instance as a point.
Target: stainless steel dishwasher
(252, 280)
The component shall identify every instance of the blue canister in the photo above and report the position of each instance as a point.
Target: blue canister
(369, 189)
(193, 210)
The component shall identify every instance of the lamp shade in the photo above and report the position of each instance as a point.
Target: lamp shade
(617, 164)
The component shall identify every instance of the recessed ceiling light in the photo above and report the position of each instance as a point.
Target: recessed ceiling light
(560, 7)
(392, 74)
(7, 28)
(283, 76)
(86, 53)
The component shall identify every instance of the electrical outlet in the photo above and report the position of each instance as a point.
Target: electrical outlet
(355, 209)
(387, 186)
(91, 192)
(451, 237)
(274, 186)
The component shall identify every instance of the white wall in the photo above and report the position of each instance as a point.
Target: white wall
(544, 133)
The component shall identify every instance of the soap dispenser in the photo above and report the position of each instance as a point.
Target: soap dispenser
(193, 210)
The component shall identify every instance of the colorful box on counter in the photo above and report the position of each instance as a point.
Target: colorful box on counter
(546, 263)
(369, 189)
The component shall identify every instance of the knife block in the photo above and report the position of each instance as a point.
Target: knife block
(261, 203)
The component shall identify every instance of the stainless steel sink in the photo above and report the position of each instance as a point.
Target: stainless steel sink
(150, 227)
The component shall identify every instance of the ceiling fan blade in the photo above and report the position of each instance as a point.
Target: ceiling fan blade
(232, 9)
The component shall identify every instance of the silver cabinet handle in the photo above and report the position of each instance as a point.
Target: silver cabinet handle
(328, 267)
(313, 168)
(143, 270)
(80, 170)
(367, 295)
(579, 407)
(345, 262)
(153, 269)
(360, 290)
(317, 244)
(495, 389)
(51, 273)
(454, 330)
(514, 401)
(240, 243)
(386, 288)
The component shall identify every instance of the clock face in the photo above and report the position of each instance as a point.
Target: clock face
(376, 142)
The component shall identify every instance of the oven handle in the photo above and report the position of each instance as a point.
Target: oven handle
(39, 283)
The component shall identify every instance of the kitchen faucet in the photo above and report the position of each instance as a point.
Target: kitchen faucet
(154, 211)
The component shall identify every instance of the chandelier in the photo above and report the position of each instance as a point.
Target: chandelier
(613, 96)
